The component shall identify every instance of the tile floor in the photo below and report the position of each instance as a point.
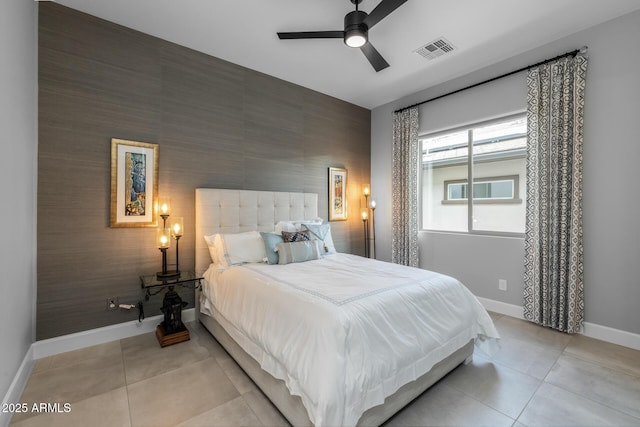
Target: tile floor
(538, 378)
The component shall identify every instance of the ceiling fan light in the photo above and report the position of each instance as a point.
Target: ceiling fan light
(355, 30)
(355, 39)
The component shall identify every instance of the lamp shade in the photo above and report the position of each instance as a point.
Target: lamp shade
(164, 206)
(177, 227)
(163, 239)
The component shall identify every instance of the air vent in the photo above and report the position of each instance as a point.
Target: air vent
(435, 49)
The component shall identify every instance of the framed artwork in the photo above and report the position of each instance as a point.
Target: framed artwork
(134, 183)
(337, 194)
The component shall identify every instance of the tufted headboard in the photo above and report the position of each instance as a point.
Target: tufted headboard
(233, 211)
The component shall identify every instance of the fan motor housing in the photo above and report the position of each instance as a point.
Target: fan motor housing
(354, 23)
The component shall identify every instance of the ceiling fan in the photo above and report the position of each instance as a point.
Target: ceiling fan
(356, 30)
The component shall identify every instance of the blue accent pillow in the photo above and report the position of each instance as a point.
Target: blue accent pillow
(322, 233)
(270, 242)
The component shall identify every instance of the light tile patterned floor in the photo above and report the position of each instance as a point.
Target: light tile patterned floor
(539, 378)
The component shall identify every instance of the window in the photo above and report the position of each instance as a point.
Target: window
(499, 189)
(490, 155)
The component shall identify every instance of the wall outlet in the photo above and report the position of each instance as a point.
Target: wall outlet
(502, 284)
(112, 303)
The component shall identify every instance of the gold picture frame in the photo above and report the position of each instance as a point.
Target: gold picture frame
(337, 194)
(134, 183)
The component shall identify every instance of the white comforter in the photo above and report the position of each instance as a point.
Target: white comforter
(344, 332)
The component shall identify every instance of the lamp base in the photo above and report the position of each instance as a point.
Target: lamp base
(169, 339)
(168, 275)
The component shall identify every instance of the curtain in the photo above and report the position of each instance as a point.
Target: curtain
(553, 278)
(404, 215)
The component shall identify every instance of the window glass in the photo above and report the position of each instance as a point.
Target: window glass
(498, 152)
(444, 157)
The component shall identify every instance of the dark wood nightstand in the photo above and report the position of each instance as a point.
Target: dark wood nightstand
(171, 330)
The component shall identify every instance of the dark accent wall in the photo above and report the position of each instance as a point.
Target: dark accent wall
(217, 125)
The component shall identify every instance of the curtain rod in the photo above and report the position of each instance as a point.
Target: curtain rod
(572, 53)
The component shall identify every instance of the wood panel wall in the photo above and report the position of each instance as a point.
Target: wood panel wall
(217, 125)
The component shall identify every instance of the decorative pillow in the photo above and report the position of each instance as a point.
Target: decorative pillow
(241, 248)
(322, 233)
(289, 252)
(270, 242)
(296, 236)
(295, 225)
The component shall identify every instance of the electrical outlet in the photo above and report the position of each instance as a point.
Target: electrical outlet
(112, 303)
(502, 284)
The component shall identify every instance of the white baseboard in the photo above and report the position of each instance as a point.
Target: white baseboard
(615, 336)
(17, 385)
(591, 330)
(502, 307)
(49, 347)
(102, 335)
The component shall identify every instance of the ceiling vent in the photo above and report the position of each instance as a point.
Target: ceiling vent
(435, 49)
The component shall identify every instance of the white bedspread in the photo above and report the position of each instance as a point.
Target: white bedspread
(344, 332)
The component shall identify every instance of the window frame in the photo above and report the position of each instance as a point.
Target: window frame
(469, 202)
(514, 199)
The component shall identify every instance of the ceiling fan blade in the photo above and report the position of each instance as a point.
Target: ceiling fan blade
(312, 35)
(384, 8)
(374, 57)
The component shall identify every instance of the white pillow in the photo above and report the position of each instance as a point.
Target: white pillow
(295, 225)
(236, 248)
(289, 252)
(213, 249)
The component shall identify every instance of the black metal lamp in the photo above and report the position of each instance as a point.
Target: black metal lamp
(373, 225)
(365, 222)
(164, 241)
(177, 229)
(366, 191)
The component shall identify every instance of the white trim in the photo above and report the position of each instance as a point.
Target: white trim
(502, 307)
(49, 347)
(102, 335)
(591, 330)
(17, 385)
(615, 336)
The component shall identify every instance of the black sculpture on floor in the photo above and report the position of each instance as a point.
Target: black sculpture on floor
(172, 306)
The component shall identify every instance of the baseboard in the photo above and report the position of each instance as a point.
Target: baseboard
(615, 336)
(102, 335)
(591, 330)
(17, 385)
(502, 307)
(49, 347)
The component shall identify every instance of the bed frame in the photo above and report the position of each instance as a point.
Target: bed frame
(233, 211)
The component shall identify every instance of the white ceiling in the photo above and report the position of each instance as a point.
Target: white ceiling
(244, 32)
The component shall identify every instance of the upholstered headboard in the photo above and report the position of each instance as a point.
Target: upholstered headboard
(233, 211)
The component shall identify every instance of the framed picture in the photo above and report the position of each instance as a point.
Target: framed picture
(337, 194)
(134, 183)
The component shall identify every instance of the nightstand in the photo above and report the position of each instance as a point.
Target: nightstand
(171, 330)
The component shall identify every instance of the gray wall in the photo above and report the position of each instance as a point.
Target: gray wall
(18, 115)
(217, 125)
(611, 203)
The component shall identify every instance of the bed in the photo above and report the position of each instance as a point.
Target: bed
(324, 339)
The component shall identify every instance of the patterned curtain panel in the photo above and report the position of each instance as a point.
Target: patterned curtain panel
(404, 216)
(553, 278)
